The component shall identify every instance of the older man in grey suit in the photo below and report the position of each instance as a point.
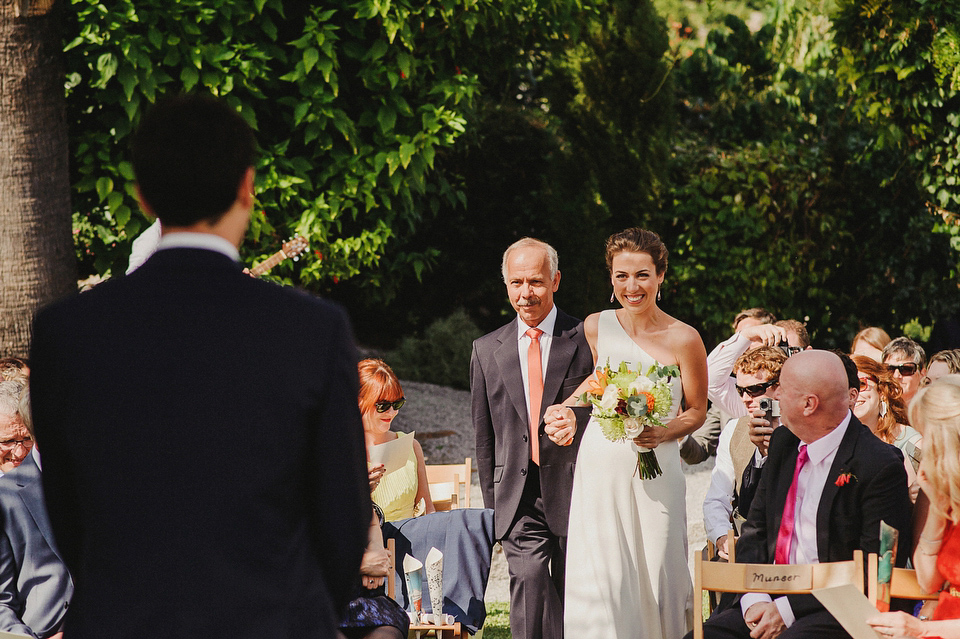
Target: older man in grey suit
(35, 587)
(536, 360)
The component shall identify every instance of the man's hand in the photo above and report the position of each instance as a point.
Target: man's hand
(764, 621)
(765, 335)
(722, 548)
(375, 474)
(560, 424)
(760, 431)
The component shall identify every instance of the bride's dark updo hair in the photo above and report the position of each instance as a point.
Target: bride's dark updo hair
(637, 240)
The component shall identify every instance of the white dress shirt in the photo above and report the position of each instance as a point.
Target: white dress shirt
(523, 343)
(810, 485)
(718, 504)
(207, 241)
(721, 388)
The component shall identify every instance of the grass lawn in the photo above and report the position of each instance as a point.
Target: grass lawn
(497, 625)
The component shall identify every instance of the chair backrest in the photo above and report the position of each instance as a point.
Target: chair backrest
(903, 583)
(447, 482)
(779, 579)
(391, 578)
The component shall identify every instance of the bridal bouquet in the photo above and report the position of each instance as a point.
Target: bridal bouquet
(625, 402)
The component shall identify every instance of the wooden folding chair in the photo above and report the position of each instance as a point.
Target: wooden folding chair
(775, 579)
(452, 631)
(447, 482)
(903, 583)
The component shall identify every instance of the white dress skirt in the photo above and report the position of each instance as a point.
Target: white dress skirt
(627, 575)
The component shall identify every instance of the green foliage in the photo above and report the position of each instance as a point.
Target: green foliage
(497, 623)
(774, 206)
(902, 60)
(441, 356)
(352, 102)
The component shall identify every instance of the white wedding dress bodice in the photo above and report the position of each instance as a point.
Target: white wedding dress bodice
(627, 575)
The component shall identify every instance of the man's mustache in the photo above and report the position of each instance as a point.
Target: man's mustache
(529, 301)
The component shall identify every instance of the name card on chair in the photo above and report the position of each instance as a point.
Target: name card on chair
(780, 577)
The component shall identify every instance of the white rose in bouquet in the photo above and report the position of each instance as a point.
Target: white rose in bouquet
(641, 384)
(632, 426)
(608, 403)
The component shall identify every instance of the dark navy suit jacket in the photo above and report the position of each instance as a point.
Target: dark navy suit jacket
(203, 453)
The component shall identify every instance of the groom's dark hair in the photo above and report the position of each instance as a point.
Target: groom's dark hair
(190, 155)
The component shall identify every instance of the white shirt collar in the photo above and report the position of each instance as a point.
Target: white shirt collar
(547, 325)
(207, 241)
(818, 450)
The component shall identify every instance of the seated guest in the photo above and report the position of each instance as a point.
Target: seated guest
(826, 485)
(907, 361)
(937, 555)
(464, 536)
(372, 614)
(15, 440)
(943, 363)
(870, 343)
(13, 369)
(758, 373)
(403, 492)
(721, 388)
(35, 587)
(880, 408)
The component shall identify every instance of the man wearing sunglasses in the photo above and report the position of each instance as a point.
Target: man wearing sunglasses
(907, 361)
(721, 388)
(743, 444)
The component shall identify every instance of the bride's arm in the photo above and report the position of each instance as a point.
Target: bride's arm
(559, 421)
(692, 359)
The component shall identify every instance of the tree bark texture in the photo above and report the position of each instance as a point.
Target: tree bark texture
(37, 261)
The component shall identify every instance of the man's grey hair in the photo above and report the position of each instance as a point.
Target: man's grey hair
(10, 398)
(525, 242)
(908, 348)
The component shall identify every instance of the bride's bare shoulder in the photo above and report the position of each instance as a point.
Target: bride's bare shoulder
(682, 334)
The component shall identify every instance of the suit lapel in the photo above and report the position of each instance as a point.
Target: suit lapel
(841, 463)
(31, 494)
(508, 361)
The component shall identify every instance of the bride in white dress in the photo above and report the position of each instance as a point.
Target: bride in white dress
(627, 575)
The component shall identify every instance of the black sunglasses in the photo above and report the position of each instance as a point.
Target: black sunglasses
(383, 405)
(756, 390)
(906, 370)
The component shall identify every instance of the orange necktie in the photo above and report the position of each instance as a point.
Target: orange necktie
(535, 383)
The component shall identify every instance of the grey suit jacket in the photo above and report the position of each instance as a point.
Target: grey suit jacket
(500, 419)
(35, 587)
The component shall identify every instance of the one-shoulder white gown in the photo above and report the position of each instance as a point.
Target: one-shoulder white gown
(627, 575)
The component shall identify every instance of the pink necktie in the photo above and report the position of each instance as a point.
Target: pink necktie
(785, 535)
(535, 384)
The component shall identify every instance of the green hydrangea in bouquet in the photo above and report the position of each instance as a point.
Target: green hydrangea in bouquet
(625, 402)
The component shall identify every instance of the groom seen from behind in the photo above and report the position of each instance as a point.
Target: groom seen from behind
(516, 371)
(189, 495)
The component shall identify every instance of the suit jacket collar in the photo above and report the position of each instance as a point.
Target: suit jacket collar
(27, 478)
(841, 463)
(562, 352)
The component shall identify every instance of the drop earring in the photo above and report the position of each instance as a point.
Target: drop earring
(883, 409)
(612, 297)
(658, 294)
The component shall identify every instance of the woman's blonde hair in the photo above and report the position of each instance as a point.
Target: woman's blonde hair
(936, 409)
(872, 335)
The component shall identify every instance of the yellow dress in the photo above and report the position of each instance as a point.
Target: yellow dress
(397, 492)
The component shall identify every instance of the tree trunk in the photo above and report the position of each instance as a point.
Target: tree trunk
(37, 262)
